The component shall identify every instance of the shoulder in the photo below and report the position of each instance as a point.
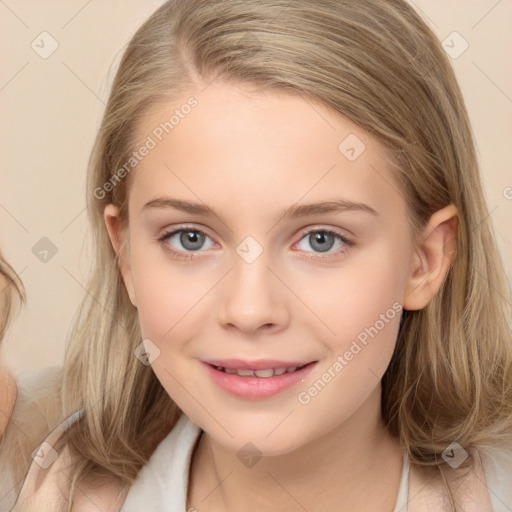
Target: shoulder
(36, 412)
(49, 488)
(100, 493)
(47, 485)
(47, 481)
(38, 407)
(434, 488)
(497, 465)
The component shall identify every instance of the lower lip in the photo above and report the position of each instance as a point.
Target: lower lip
(257, 388)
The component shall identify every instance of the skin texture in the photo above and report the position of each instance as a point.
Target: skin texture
(248, 155)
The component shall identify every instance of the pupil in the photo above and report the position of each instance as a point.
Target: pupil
(191, 237)
(320, 240)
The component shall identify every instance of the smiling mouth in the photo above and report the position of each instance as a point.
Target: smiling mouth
(264, 374)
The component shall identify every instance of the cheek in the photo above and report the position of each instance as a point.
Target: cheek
(363, 312)
(363, 292)
(359, 308)
(168, 294)
(369, 340)
(369, 302)
(163, 299)
(366, 331)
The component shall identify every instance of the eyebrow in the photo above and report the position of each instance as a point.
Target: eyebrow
(294, 211)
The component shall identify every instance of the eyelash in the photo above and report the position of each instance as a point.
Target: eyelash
(189, 256)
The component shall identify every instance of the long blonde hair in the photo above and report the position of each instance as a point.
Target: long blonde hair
(377, 63)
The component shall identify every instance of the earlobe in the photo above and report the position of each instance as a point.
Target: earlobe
(114, 227)
(432, 259)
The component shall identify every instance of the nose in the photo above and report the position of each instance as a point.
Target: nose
(253, 298)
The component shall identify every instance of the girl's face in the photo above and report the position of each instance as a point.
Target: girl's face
(320, 284)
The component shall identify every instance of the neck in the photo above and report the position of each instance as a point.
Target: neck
(8, 394)
(355, 466)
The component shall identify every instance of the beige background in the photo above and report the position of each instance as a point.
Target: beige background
(52, 107)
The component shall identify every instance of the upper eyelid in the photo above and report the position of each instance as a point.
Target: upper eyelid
(171, 232)
(303, 232)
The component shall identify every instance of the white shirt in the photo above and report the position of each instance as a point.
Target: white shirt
(161, 485)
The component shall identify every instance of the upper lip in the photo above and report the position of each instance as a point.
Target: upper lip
(259, 364)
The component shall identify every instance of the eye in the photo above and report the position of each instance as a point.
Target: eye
(323, 240)
(184, 242)
(190, 240)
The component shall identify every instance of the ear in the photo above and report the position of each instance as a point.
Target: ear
(432, 259)
(120, 245)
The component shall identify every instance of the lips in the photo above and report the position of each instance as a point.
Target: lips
(257, 384)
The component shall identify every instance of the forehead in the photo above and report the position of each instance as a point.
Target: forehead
(251, 149)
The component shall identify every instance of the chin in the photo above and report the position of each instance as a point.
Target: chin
(257, 442)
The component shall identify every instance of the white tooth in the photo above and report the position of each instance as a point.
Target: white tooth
(245, 373)
(231, 371)
(265, 373)
(220, 368)
(280, 371)
(291, 369)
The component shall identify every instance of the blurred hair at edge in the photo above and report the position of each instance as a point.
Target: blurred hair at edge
(378, 64)
(11, 290)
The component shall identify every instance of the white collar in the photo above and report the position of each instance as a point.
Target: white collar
(162, 483)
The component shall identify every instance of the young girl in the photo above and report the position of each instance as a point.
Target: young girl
(223, 359)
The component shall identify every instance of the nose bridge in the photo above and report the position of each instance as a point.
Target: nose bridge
(253, 296)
